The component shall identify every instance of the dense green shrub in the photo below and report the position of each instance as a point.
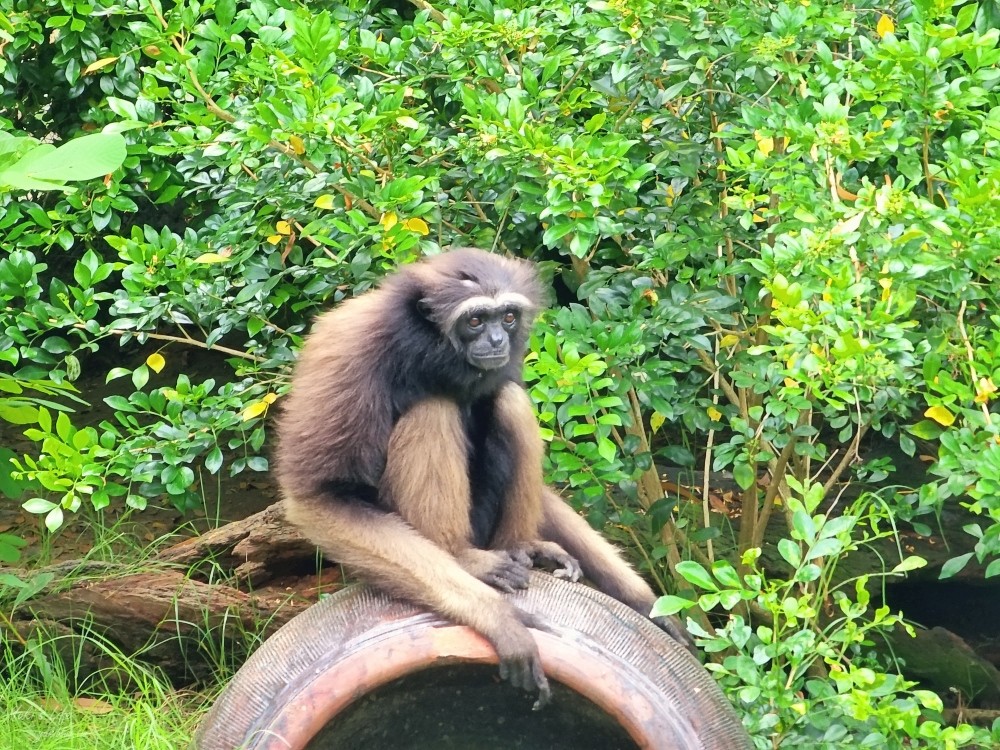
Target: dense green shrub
(771, 227)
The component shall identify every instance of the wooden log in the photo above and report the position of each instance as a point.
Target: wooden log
(178, 624)
(222, 592)
(255, 549)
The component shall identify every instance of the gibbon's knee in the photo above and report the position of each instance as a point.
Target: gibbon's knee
(426, 476)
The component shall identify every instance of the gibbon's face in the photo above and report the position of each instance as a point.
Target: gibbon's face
(485, 336)
(482, 333)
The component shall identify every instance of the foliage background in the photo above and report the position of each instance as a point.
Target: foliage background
(771, 229)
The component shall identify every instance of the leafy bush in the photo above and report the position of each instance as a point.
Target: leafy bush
(771, 231)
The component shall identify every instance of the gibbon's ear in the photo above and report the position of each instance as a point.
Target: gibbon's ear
(424, 308)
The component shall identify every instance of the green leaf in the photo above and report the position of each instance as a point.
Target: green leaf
(955, 565)
(695, 574)
(670, 605)
(912, 562)
(83, 158)
(744, 475)
(790, 552)
(515, 113)
(213, 461)
(15, 413)
(38, 505)
(54, 519)
(926, 430)
(726, 574)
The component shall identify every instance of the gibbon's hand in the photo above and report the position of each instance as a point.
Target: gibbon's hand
(520, 662)
(565, 565)
(496, 568)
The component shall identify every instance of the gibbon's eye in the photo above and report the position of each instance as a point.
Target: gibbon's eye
(510, 318)
(475, 322)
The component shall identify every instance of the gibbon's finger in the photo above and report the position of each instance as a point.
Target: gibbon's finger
(521, 557)
(570, 569)
(566, 566)
(544, 691)
(533, 621)
(508, 577)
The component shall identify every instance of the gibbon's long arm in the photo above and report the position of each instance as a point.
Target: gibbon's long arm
(602, 563)
(389, 553)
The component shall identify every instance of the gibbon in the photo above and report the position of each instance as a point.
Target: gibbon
(408, 451)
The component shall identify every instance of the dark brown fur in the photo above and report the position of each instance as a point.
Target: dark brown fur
(402, 461)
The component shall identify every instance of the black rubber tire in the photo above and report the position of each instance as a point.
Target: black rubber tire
(690, 711)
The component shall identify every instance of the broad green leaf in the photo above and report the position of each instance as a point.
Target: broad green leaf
(790, 552)
(955, 565)
(912, 562)
(83, 158)
(695, 574)
(670, 605)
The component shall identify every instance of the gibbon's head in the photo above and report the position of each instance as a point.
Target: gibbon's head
(482, 303)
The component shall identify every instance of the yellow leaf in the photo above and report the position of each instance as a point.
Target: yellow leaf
(730, 339)
(791, 383)
(656, 421)
(408, 122)
(885, 26)
(985, 390)
(714, 414)
(850, 224)
(156, 362)
(93, 706)
(325, 202)
(270, 398)
(765, 146)
(283, 227)
(388, 220)
(98, 64)
(886, 283)
(254, 410)
(941, 415)
(297, 144)
(417, 225)
(274, 239)
(210, 258)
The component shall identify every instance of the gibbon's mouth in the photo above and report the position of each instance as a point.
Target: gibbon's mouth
(490, 362)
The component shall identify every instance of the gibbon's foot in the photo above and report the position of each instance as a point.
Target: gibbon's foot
(496, 568)
(673, 627)
(564, 564)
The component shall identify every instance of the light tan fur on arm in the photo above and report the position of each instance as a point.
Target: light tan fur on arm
(522, 511)
(426, 478)
(519, 530)
(598, 558)
(426, 481)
